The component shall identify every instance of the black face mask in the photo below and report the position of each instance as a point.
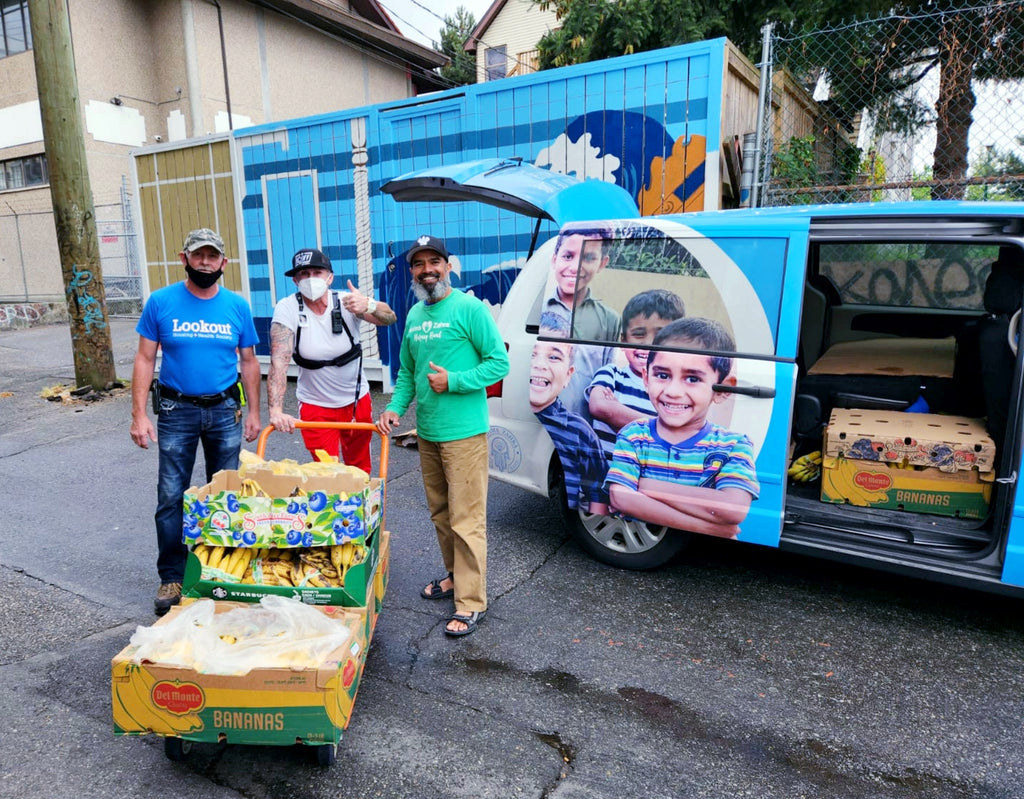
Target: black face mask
(203, 279)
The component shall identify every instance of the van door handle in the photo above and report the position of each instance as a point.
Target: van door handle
(758, 392)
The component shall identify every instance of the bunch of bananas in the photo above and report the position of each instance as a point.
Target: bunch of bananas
(232, 561)
(321, 567)
(806, 468)
(250, 488)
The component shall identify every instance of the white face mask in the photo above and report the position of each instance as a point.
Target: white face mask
(313, 288)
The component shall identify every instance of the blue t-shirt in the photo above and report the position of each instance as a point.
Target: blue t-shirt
(583, 463)
(712, 458)
(199, 339)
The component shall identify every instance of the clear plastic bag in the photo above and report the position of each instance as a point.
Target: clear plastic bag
(277, 633)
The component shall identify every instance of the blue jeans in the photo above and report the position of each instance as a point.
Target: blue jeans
(180, 428)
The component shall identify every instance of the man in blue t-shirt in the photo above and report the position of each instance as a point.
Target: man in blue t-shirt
(206, 337)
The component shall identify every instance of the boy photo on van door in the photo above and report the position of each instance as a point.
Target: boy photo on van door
(679, 469)
(577, 445)
(617, 395)
(580, 254)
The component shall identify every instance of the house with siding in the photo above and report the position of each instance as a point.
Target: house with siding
(505, 39)
(184, 70)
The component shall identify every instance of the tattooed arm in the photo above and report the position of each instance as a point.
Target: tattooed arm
(282, 341)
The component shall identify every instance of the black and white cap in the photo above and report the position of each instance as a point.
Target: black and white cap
(309, 259)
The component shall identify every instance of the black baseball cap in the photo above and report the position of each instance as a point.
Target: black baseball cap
(309, 259)
(427, 243)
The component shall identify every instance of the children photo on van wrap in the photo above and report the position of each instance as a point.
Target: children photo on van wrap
(578, 448)
(580, 254)
(678, 468)
(617, 394)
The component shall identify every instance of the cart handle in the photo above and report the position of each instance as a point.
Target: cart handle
(261, 442)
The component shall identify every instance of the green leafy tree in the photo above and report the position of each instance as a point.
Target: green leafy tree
(594, 29)
(885, 61)
(461, 68)
(1003, 171)
(876, 69)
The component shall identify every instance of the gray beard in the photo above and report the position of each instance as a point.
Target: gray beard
(438, 292)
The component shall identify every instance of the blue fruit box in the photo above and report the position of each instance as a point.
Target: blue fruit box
(286, 510)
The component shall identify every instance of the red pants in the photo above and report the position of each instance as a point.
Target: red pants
(354, 445)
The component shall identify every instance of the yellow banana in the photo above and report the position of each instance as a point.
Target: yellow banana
(215, 556)
(239, 561)
(250, 488)
(347, 552)
(202, 552)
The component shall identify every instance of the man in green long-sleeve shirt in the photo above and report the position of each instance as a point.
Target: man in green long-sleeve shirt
(451, 351)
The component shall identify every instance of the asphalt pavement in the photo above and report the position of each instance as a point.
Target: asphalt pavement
(735, 672)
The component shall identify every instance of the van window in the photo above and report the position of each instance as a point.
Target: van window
(598, 275)
(919, 275)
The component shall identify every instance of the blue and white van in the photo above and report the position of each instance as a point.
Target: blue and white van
(850, 373)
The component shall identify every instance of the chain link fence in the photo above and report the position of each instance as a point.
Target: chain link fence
(905, 108)
(29, 291)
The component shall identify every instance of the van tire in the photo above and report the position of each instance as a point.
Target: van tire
(624, 543)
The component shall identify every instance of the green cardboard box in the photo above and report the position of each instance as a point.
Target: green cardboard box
(358, 590)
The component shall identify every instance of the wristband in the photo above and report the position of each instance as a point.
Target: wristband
(371, 306)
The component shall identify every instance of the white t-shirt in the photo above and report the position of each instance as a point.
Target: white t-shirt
(329, 386)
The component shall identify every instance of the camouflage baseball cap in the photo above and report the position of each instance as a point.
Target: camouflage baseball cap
(203, 237)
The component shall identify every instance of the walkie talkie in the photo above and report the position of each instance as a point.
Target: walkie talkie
(337, 323)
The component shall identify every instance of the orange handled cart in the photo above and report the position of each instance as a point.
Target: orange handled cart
(265, 518)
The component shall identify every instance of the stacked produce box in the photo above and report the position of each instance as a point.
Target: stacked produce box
(925, 463)
(270, 544)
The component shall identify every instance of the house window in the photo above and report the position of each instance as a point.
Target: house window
(495, 62)
(15, 36)
(21, 173)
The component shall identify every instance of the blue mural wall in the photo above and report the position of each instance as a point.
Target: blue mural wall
(648, 122)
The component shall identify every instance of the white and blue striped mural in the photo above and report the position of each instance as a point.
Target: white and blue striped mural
(649, 122)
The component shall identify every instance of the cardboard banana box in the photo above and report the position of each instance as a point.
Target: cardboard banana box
(275, 706)
(961, 493)
(945, 443)
(311, 704)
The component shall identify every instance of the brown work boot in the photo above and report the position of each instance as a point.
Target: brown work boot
(166, 595)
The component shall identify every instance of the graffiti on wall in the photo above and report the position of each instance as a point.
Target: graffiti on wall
(26, 314)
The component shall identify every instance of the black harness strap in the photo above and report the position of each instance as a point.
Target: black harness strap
(356, 351)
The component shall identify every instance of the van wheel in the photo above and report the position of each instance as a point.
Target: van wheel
(624, 543)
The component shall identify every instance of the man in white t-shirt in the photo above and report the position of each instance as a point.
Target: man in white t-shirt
(319, 328)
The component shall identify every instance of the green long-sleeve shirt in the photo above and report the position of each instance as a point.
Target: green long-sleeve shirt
(457, 333)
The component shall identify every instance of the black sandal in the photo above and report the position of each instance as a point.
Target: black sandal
(434, 590)
(470, 621)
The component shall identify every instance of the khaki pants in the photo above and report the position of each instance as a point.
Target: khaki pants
(455, 481)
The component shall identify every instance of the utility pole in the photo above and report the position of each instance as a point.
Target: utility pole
(73, 212)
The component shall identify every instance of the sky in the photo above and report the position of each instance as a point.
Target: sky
(422, 20)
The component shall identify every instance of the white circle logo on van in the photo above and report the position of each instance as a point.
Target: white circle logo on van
(504, 453)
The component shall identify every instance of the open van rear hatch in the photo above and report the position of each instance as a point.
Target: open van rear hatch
(511, 185)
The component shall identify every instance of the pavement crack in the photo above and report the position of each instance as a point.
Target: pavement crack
(565, 750)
